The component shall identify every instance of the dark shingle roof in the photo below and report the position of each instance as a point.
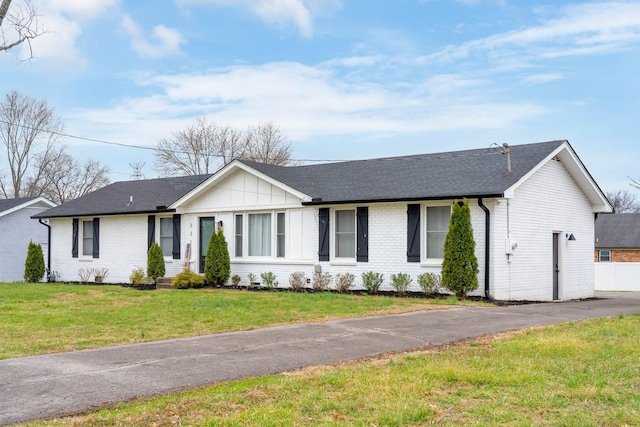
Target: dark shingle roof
(455, 174)
(618, 230)
(128, 197)
(468, 173)
(6, 204)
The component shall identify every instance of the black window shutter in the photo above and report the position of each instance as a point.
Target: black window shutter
(96, 237)
(74, 238)
(413, 233)
(362, 241)
(323, 234)
(151, 230)
(176, 236)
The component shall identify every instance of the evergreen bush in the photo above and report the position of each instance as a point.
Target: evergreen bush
(155, 262)
(34, 264)
(187, 279)
(138, 277)
(217, 265)
(460, 265)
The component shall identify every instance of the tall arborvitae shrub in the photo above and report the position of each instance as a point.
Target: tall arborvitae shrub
(460, 265)
(34, 264)
(217, 265)
(155, 262)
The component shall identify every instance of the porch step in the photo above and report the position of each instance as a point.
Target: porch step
(164, 282)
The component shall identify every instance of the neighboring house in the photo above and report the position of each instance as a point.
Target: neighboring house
(385, 215)
(17, 229)
(617, 252)
(617, 238)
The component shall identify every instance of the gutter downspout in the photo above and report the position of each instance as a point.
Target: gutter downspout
(487, 236)
(48, 248)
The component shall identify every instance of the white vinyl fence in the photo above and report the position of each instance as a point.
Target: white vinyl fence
(617, 276)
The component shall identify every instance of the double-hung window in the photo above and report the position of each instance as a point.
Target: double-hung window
(604, 255)
(345, 232)
(239, 235)
(166, 236)
(260, 234)
(87, 238)
(280, 235)
(437, 225)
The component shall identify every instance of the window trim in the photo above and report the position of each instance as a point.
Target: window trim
(423, 231)
(600, 258)
(159, 236)
(271, 235)
(279, 233)
(238, 234)
(334, 234)
(82, 238)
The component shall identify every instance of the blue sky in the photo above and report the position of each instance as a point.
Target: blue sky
(344, 79)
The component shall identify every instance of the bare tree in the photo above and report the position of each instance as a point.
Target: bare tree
(623, 201)
(29, 132)
(66, 178)
(18, 24)
(267, 144)
(203, 147)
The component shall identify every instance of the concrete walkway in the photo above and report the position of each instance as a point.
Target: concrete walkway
(42, 387)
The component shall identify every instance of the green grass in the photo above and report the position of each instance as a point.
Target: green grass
(46, 318)
(573, 374)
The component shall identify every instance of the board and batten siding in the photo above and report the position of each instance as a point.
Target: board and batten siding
(548, 201)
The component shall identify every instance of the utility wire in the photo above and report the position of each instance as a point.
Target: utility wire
(140, 147)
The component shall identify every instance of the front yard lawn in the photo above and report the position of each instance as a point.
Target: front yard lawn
(48, 318)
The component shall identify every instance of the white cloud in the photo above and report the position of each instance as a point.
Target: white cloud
(165, 41)
(280, 12)
(64, 22)
(308, 102)
(543, 78)
(578, 30)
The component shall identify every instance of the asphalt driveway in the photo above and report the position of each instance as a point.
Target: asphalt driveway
(47, 386)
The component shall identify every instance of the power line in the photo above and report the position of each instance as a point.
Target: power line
(140, 147)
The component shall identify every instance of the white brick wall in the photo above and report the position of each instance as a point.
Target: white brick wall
(549, 201)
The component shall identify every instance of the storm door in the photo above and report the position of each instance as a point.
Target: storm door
(207, 227)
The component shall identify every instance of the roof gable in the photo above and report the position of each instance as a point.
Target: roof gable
(8, 206)
(620, 230)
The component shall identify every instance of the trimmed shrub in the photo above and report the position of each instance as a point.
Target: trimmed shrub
(187, 279)
(34, 264)
(269, 280)
(372, 281)
(298, 281)
(217, 265)
(235, 280)
(320, 281)
(344, 282)
(401, 282)
(155, 262)
(460, 265)
(429, 283)
(138, 277)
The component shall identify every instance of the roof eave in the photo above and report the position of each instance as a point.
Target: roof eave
(315, 202)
